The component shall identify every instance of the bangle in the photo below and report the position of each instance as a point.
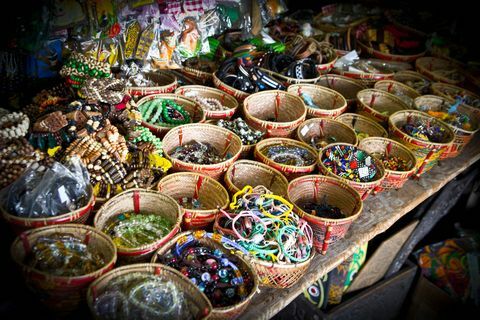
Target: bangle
(14, 125)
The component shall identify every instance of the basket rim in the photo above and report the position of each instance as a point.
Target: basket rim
(162, 72)
(363, 118)
(411, 73)
(388, 95)
(344, 105)
(196, 88)
(274, 141)
(421, 64)
(352, 81)
(290, 79)
(242, 94)
(397, 57)
(253, 163)
(336, 122)
(412, 93)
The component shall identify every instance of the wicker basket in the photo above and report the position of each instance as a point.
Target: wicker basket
(140, 201)
(449, 91)
(205, 78)
(462, 136)
(362, 125)
(378, 105)
(165, 83)
(318, 127)
(286, 110)
(230, 312)
(206, 92)
(211, 194)
(253, 173)
(367, 79)
(290, 172)
(426, 153)
(347, 87)
(363, 188)
(287, 81)
(317, 188)
(404, 92)
(196, 112)
(80, 216)
(408, 77)
(330, 103)
(393, 179)
(387, 56)
(431, 67)
(224, 141)
(61, 293)
(237, 94)
(199, 305)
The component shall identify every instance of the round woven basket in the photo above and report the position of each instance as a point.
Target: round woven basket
(290, 172)
(206, 92)
(347, 87)
(378, 146)
(61, 293)
(319, 189)
(237, 94)
(437, 69)
(363, 188)
(462, 136)
(198, 76)
(252, 173)
(198, 304)
(386, 56)
(165, 82)
(402, 91)
(80, 216)
(196, 112)
(330, 103)
(140, 201)
(318, 127)
(378, 105)
(449, 91)
(426, 153)
(287, 81)
(362, 125)
(409, 77)
(277, 112)
(211, 194)
(224, 141)
(230, 312)
(366, 78)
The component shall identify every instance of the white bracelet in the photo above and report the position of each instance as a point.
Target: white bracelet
(18, 124)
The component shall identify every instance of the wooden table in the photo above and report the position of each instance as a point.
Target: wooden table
(380, 213)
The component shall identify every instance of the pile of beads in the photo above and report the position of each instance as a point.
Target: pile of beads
(79, 67)
(63, 254)
(392, 162)
(424, 130)
(197, 152)
(455, 119)
(133, 230)
(350, 163)
(248, 135)
(164, 112)
(323, 209)
(210, 104)
(13, 125)
(289, 155)
(143, 134)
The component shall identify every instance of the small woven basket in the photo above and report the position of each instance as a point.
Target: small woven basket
(378, 105)
(196, 112)
(287, 81)
(367, 79)
(402, 91)
(140, 201)
(165, 82)
(409, 77)
(237, 94)
(198, 304)
(462, 136)
(449, 91)
(211, 194)
(243, 262)
(393, 179)
(317, 188)
(80, 216)
(205, 78)
(387, 56)
(330, 103)
(206, 92)
(62, 294)
(363, 188)
(362, 125)
(290, 172)
(277, 112)
(252, 173)
(326, 128)
(224, 141)
(346, 86)
(438, 69)
(426, 153)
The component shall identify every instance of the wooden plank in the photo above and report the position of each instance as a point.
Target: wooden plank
(380, 213)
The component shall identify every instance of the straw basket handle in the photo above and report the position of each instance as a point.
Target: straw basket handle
(326, 240)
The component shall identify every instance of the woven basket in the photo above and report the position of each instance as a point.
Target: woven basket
(408, 77)
(237, 94)
(61, 293)
(462, 136)
(326, 128)
(199, 305)
(80, 216)
(140, 201)
(449, 91)
(313, 188)
(165, 83)
(230, 312)
(290, 172)
(362, 124)
(211, 194)
(198, 76)
(286, 110)
(431, 67)
(393, 179)
(330, 103)
(206, 92)
(196, 112)
(347, 87)
(387, 56)
(378, 105)
(253, 173)
(224, 141)
(363, 188)
(287, 81)
(404, 92)
(426, 153)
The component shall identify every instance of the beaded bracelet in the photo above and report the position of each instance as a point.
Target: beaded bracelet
(171, 113)
(14, 125)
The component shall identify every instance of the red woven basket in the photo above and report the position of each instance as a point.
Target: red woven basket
(440, 70)
(325, 128)
(165, 83)
(330, 103)
(378, 105)
(346, 86)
